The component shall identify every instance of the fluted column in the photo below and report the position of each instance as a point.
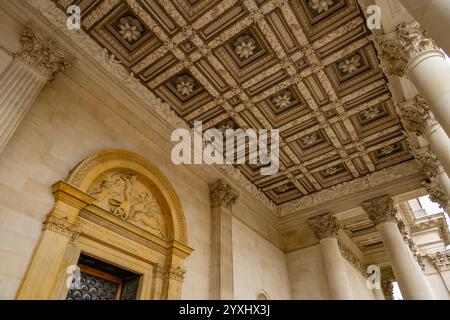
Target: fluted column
(411, 52)
(411, 280)
(326, 229)
(434, 17)
(223, 198)
(417, 117)
(22, 81)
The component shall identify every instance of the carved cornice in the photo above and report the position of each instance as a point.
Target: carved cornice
(416, 115)
(222, 195)
(324, 226)
(380, 210)
(398, 49)
(63, 226)
(362, 184)
(42, 55)
(440, 260)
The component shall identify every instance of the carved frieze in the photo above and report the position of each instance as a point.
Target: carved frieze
(440, 260)
(63, 226)
(126, 196)
(437, 194)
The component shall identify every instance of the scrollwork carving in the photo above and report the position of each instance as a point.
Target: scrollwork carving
(417, 115)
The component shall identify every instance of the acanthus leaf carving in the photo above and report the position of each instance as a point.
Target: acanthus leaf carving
(417, 115)
(380, 210)
(398, 49)
(324, 226)
(42, 55)
(222, 194)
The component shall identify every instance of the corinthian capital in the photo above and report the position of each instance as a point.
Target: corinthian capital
(437, 195)
(324, 226)
(429, 163)
(222, 194)
(416, 115)
(380, 210)
(42, 55)
(399, 48)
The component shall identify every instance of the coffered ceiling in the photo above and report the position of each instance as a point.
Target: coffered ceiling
(306, 67)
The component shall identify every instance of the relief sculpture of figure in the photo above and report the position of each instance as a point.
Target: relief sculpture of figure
(122, 195)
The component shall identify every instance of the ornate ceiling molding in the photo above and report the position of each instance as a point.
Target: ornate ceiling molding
(380, 178)
(308, 70)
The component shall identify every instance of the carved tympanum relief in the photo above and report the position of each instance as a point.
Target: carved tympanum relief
(126, 196)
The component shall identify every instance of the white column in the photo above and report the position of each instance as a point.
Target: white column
(22, 81)
(326, 230)
(378, 293)
(434, 17)
(409, 51)
(441, 261)
(411, 280)
(417, 117)
(223, 198)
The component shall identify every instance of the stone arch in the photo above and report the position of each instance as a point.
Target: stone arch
(111, 207)
(86, 172)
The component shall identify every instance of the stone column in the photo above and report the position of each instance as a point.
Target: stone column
(411, 280)
(22, 81)
(378, 293)
(434, 17)
(409, 51)
(326, 229)
(223, 197)
(438, 195)
(418, 118)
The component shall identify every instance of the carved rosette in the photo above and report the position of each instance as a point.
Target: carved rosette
(324, 226)
(42, 55)
(430, 164)
(437, 195)
(416, 115)
(222, 195)
(398, 49)
(63, 226)
(380, 210)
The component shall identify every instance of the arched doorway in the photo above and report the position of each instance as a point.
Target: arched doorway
(117, 208)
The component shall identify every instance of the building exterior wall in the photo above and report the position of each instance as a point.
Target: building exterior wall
(259, 266)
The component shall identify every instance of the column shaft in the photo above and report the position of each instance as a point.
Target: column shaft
(444, 183)
(19, 87)
(411, 280)
(430, 73)
(440, 144)
(335, 269)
